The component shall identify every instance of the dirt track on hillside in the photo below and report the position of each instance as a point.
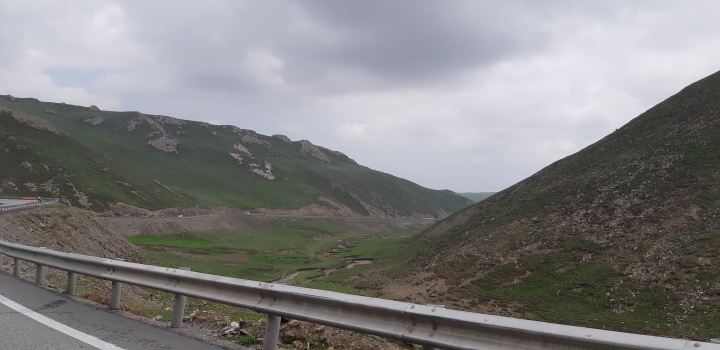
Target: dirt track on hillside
(131, 226)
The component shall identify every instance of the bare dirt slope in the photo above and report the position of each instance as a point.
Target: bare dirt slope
(66, 229)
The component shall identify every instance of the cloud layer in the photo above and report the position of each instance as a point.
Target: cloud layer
(466, 95)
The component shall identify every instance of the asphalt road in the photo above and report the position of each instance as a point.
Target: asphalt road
(34, 318)
(15, 201)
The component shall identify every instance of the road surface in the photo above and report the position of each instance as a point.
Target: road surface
(16, 201)
(34, 318)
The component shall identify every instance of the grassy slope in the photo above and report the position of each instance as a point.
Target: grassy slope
(203, 167)
(285, 246)
(621, 235)
(69, 164)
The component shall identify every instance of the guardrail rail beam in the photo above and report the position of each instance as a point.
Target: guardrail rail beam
(426, 325)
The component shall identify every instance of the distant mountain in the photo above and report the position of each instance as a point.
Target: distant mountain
(476, 196)
(622, 235)
(154, 161)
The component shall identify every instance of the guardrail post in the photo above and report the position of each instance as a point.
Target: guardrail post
(115, 295)
(16, 267)
(179, 307)
(272, 331)
(40, 274)
(71, 279)
(428, 347)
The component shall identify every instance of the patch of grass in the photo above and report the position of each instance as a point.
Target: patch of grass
(185, 240)
(248, 339)
(282, 248)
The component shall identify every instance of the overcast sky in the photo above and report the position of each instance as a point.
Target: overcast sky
(465, 95)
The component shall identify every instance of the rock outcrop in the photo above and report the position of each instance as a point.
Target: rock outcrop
(165, 143)
(282, 138)
(254, 139)
(236, 156)
(264, 171)
(241, 148)
(33, 121)
(94, 121)
(306, 147)
(160, 139)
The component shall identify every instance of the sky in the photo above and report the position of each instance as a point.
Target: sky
(471, 96)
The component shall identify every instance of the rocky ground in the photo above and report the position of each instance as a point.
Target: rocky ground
(66, 229)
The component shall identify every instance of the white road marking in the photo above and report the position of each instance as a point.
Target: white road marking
(85, 338)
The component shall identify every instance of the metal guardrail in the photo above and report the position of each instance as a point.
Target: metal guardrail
(44, 201)
(427, 325)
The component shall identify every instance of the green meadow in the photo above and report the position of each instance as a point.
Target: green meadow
(307, 254)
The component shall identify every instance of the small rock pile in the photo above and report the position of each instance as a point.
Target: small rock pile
(207, 316)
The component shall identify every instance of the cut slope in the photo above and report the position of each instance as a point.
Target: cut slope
(226, 165)
(623, 234)
(66, 229)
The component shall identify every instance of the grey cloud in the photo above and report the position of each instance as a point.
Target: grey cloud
(389, 42)
(411, 44)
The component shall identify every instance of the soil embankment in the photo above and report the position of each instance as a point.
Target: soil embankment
(66, 229)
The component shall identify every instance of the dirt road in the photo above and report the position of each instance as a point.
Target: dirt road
(130, 226)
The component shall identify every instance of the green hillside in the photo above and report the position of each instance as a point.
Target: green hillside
(40, 162)
(622, 235)
(226, 165)
(476, 196)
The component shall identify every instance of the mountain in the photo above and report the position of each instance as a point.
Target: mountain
(476, 196)
(623, 234)
(154, 161)
(42, 161)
